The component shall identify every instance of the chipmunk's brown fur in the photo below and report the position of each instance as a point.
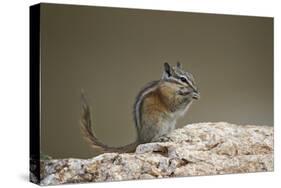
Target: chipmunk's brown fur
(156, 109)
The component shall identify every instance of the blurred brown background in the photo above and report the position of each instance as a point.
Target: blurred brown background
(112, 53)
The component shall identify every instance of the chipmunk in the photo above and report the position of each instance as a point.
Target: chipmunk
(156, 110)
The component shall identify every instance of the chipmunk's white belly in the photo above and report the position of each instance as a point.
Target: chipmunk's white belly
(169, 124)
(166, 127)
(181, 112)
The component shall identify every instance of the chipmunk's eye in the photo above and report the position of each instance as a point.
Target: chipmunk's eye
(183, 79)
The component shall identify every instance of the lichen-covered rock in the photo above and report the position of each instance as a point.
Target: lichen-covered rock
(196, 149)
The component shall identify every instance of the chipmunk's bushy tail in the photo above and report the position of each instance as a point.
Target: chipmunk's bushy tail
(87, 130)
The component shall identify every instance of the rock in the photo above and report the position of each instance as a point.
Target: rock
(196, 149)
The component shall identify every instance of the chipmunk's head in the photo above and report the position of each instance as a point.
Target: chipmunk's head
(184, 81)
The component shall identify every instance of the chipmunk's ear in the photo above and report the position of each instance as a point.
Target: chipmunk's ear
(179, 66)
(167, 70)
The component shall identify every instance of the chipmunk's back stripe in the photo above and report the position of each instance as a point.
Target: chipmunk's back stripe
(144, 92)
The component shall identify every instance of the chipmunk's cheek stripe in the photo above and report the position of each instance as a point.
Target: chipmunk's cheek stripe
(184, 91)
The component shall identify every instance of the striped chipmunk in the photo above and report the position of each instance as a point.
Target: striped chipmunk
(157, 107)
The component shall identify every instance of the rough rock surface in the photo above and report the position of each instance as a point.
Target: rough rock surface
(196, 149)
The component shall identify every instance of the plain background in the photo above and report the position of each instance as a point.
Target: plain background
(14, 92)
(112, 53)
